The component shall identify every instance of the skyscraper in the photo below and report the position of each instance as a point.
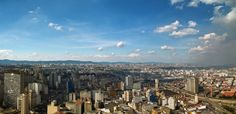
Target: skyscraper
(87, 106)
(13, 87)
(129, 82)
(23, 103)
(192, 85)
(156, 84)
(52, 108)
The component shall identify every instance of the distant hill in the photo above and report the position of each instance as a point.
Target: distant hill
(28, 62)
(6, 61)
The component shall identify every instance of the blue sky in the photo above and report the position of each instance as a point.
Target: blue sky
(179, 31)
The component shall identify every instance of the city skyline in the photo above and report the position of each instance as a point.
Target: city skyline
(168, 31)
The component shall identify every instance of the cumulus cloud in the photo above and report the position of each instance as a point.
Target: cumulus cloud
(228, 20)
(168, 28)
(120, 44)
(174, 30)
(192, 24)
(100, 49)
(55, 26)
(6, 54)
(219, 49)
(176, 1)
(5, 51)
(184, 32)
(151, 52)
(102, 56)
(198, 49)
(212, 1)
(210, 40)
(213, 37)
(193, 3)
(165, 47)
(134, 55)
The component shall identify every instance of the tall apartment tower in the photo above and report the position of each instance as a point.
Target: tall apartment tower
(129, 82)
(192, 85)
(52, 108)
(13, 87)
(156, 84)
(23, 104)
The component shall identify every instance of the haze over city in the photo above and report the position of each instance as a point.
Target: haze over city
(168, 31)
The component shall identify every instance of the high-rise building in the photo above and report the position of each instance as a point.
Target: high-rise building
(23, 104)
(79, 106)
(155, 110)
(13, 87)
(35, 90)
(127, 96)
(99, 97)
(87, 106)
(192, 85)
(148, 94)
(129, 82)
(85, 94)
(76, 107)
(52, 108)
(121, 86)
(137, 86)
(156, 84)
(171, 103)
(52, 80)
(72, 97)
(196, 98)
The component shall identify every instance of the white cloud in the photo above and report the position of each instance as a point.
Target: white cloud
(168, 28)
(176, 1)
(173, 28)
(199, 49)
(5, 51)
(210, 41)
(193, 3)
(184, 32)
(192, 24)
(228, 20)
(6, 54)
(134, 55)
(212, 1)
(213, 37)
(55, 26)
(120, 44)
(101, 56)
(165, 47)
(217, 11)
(100, 49)
(151, 52)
